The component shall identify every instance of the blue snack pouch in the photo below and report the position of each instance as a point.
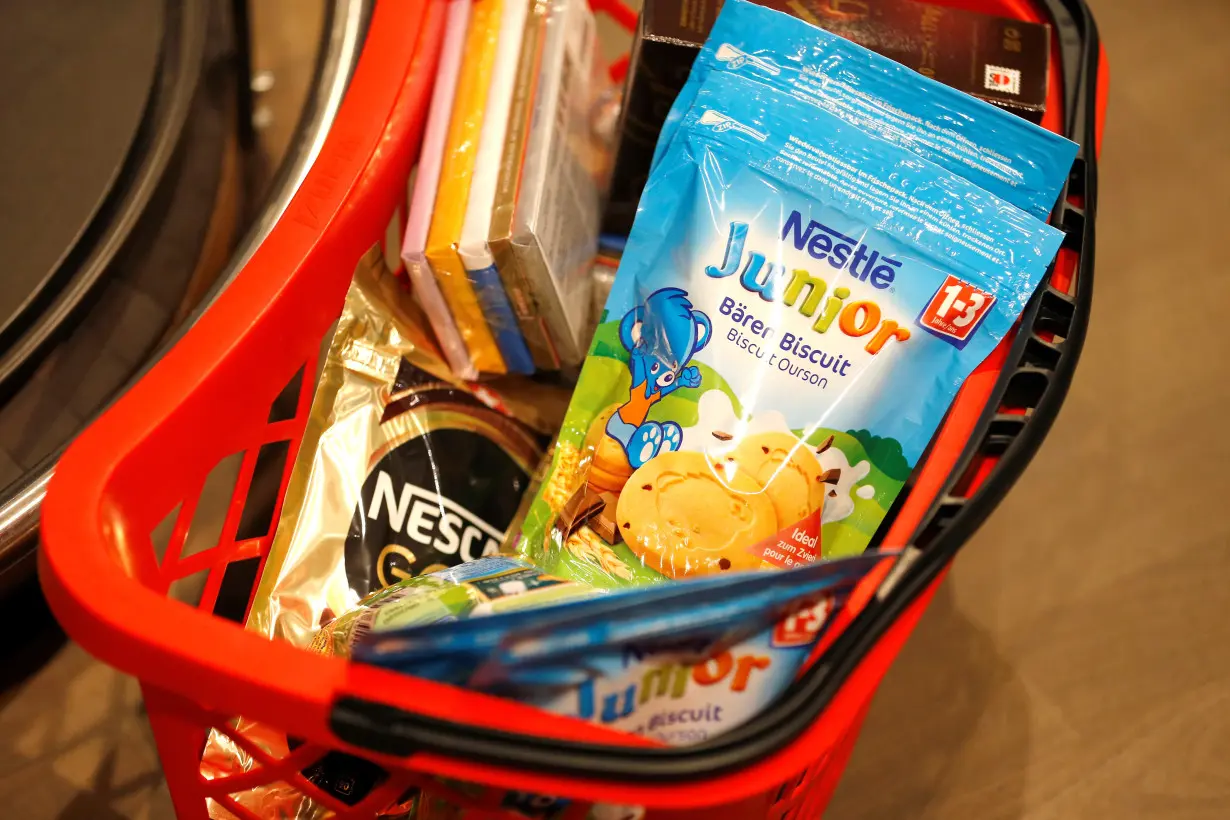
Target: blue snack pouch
(676, 663)
(796, 308)
(996, 150)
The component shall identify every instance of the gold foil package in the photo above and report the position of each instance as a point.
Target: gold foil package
(403, 469)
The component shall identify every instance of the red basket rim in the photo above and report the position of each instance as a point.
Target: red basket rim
(138, 631)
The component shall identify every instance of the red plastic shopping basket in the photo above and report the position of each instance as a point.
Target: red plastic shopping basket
(122, 549)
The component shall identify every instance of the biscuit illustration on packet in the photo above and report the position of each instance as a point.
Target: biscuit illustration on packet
(779, 348)
(684, 516)
(633, 494)
(787, 470)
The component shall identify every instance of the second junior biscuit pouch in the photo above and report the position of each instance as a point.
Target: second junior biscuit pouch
(991, 147)
(796, 308)
(679, 664)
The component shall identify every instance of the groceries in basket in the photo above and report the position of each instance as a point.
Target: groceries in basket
(679, 663)
(802, 295)
(796, 308)
(402, 469)
(999, 60)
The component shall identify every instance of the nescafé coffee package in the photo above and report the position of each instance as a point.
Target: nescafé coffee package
(796, 307)
(403, 468)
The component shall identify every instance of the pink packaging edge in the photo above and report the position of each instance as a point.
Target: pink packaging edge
(422, 200)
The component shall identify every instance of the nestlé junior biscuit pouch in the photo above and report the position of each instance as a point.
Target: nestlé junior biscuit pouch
(403, 469)
(995, 149)
(796, 308)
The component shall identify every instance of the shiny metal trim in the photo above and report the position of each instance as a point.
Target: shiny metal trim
(345, 29)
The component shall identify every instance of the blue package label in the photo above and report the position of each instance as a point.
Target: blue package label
(676, 663)
(680, 700)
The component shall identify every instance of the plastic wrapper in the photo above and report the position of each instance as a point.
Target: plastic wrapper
(1016, 161)
(482, 587)
(554, 230)
(680, 664)
(402, 470)
(488, 345)
(796, 308)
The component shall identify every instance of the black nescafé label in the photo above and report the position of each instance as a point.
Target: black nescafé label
(442, 489)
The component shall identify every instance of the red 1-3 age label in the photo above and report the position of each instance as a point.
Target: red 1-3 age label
(801, 628)
(956, 310)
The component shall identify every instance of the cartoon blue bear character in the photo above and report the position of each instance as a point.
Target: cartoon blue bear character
(661, 337)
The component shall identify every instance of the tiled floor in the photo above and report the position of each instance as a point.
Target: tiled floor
(74, 744)
(1074, 665)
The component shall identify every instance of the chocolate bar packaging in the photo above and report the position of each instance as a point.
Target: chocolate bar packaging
(995, 59)
(488, 346)
(521, 354)
(508, 186)
(423, 198)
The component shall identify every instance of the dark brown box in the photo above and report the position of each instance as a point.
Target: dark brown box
(995, 59)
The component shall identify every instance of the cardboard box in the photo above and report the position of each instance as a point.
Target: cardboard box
(508, 187)
(998, 60)
(556, 217)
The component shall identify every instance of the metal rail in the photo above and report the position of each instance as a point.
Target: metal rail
(345, 28)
